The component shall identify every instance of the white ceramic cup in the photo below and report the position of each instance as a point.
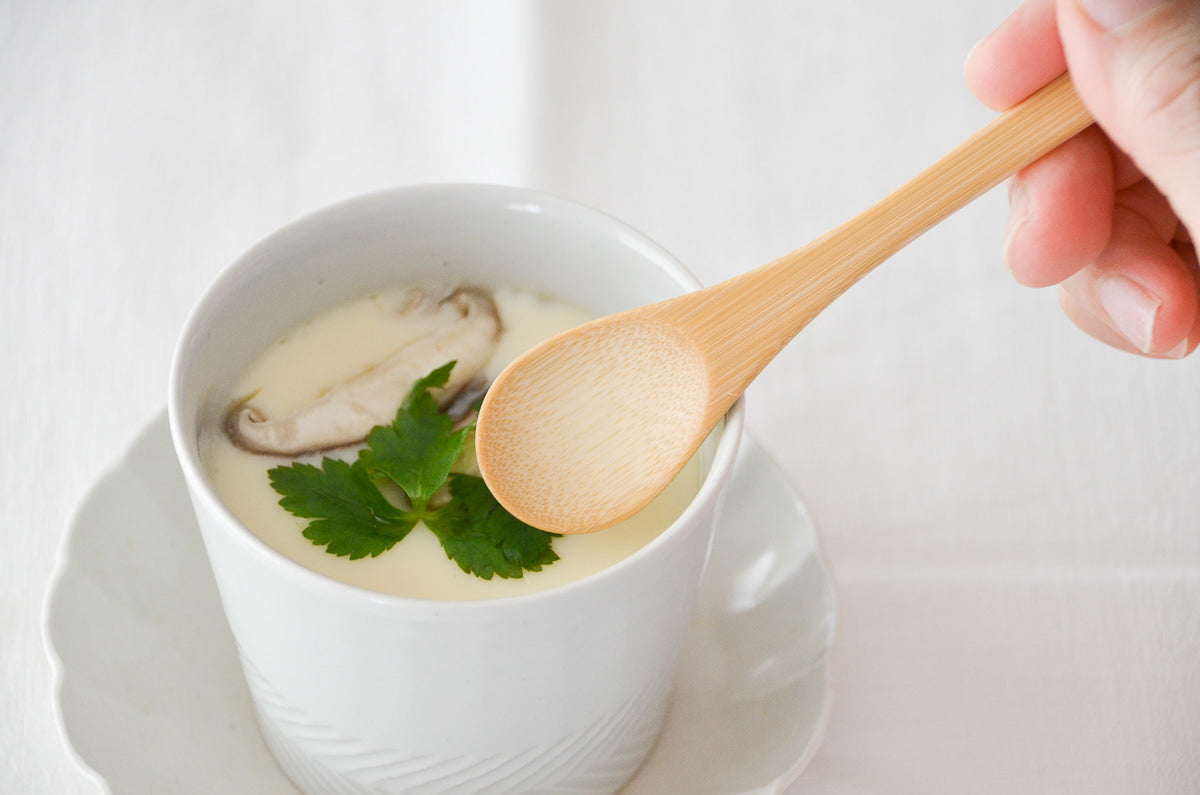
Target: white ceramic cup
(563, 690)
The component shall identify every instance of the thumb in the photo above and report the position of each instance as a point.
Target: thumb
(1136, 64)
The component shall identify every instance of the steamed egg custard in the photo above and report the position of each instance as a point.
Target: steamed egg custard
(315, 394)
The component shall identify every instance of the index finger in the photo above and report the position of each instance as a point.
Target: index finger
(1016, 59)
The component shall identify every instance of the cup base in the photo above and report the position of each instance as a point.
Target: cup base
(598, 760)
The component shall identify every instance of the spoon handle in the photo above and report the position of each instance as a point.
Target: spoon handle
(762, 310)
(1012, 141)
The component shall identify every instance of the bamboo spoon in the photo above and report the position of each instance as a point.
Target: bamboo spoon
(585, 429)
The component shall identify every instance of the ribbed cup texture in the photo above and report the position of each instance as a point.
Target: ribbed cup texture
(594, 760)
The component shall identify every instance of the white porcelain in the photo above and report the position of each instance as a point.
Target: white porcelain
(564, 690)
(151, 697)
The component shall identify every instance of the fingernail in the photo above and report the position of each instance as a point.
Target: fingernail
(1113, 14)
(973, 50)
(1018, 214)
(1131, 308)
(1179, 351)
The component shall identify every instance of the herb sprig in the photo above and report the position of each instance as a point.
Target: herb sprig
(350, 516)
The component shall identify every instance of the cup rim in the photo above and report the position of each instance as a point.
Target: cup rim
(201, 489)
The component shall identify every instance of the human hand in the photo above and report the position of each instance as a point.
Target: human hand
(1106, 215)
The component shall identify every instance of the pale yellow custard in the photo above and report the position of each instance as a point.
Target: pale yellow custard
(344, 342)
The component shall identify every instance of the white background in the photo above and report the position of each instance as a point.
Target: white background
(1011, 510)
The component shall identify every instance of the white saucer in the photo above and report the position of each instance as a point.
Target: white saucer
(151, 698)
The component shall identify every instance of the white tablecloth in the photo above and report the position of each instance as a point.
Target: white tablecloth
(1011, 510)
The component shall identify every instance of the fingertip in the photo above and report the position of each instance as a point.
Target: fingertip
(1017, 58)
(1023, 267)
(1139, 253)
(1089, 322)
(1145, 305)
(977, 74)
(1060, 216)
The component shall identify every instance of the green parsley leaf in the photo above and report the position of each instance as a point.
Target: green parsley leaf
(350, 516)
(417, 452)
(483, 538)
